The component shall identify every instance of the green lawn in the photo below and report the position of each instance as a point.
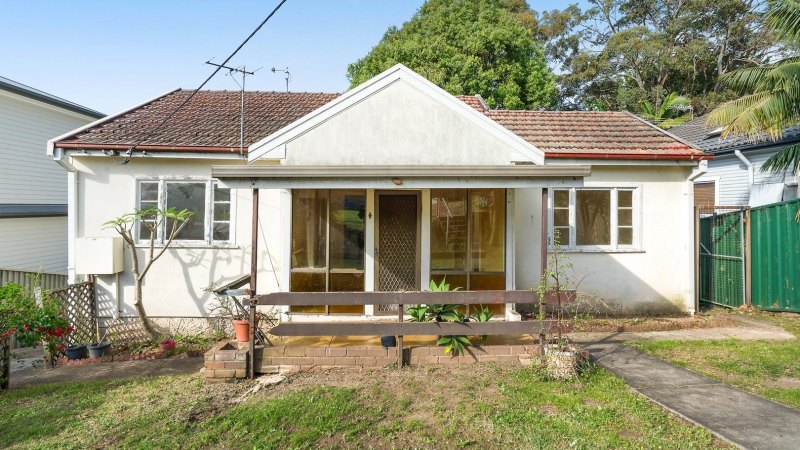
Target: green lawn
(464, 407)
(767, 368)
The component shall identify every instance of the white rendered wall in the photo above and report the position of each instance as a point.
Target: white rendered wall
(176, 285)
(650, 280)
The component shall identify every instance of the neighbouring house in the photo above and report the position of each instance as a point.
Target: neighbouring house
(33, 188)
(734, 176)
(384, 188)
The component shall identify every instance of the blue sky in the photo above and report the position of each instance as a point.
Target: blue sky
(110, 55)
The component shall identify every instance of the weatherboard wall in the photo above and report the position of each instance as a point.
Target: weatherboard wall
(27, 174)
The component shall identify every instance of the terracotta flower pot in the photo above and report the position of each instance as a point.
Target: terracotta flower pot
(242, 328)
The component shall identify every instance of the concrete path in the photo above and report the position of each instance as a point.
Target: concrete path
(106, 371)
(744, 419)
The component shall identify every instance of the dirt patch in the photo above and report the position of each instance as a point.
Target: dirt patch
(783, 383)
(653, 324)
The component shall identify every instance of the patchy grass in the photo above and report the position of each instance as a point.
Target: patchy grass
(767, 368)
(487, 406)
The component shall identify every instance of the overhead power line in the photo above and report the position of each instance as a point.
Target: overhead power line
(219, 67)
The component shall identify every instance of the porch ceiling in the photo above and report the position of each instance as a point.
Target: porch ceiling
(400, 177)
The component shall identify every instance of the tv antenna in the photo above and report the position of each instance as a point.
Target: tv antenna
(287, 75)
(241, 70)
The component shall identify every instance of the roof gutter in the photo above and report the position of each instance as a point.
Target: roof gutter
(156, 148)
(620, 156)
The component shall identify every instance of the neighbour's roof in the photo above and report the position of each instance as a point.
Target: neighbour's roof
(31, 210)
(589, 134)
(27, 91)
(709, 139)
(210, 123)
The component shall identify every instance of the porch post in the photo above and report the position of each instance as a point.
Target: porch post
(253, 278)
(543, 262)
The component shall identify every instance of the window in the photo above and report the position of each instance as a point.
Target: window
(468, 238)
(594, 218)
(328, 245)
(210, 204)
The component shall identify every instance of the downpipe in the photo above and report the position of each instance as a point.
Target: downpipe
(697, 172)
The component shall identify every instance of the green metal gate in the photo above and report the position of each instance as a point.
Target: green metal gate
(722, 259)
(776, 256)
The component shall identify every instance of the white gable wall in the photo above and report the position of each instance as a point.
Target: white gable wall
(398, 125)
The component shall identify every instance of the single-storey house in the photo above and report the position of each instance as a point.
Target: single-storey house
(33, 199)
(384, 188)
(734, 176)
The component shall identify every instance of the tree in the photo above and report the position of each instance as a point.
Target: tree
(468, 47)
(770, 99)
(670, 113)
(619, 54)
(152, 220)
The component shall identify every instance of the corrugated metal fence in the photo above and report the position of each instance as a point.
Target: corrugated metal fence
(28, 280)
(722, 258)
(775, 256)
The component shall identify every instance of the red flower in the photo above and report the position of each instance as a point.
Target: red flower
(27, 326)
(61, 348)
(59, 332)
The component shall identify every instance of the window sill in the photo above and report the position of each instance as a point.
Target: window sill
(193, 246)
(599, 250)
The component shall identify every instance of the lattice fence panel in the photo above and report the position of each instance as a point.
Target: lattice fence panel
(78, 303)
(5, 362)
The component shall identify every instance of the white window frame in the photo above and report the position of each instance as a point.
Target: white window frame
(208, 220)
(614, 246)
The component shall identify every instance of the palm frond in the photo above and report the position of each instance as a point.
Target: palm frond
(745, 79)
(787, 157)
(784, 17)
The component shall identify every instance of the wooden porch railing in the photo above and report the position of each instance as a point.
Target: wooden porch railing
(400, 327)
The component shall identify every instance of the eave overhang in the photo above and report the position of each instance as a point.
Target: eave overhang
(400, 177)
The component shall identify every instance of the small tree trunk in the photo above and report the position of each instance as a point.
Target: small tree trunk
(146, 325)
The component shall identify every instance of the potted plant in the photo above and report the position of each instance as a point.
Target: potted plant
(99, 349)
(77, 351)
(562, 358)
(226, 307)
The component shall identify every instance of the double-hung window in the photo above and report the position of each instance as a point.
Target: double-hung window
(595, 218)
(210, 204)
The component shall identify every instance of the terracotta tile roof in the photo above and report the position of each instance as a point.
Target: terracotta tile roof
(209, 122)
(589, 134)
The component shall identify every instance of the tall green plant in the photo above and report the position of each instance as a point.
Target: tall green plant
(770, 94)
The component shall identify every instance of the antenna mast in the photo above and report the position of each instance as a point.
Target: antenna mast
(288, 76)
(242, 70)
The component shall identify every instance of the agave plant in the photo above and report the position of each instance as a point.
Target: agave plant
(457, 345)
(770, 93)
